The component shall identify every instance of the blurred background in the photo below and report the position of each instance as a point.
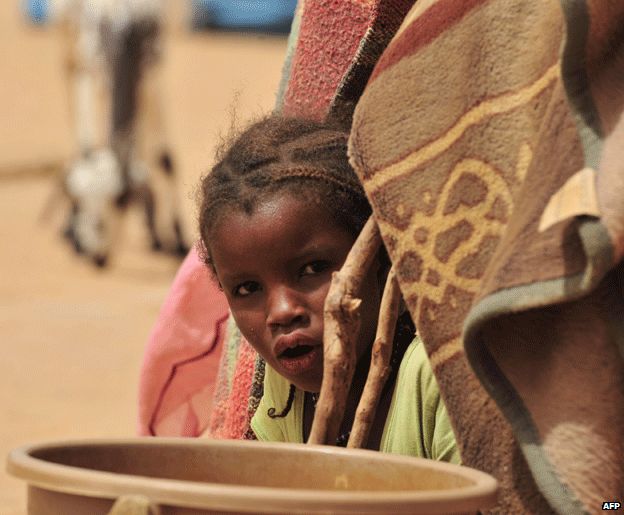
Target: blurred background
(72, 334)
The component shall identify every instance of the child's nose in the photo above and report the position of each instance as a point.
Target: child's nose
(284, 308)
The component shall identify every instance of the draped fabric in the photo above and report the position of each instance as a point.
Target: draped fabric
(489, 140)
(181, 358)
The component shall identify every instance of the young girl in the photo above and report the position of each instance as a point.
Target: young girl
(279, 213)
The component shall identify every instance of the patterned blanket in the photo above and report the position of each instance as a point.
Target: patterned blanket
(489, 141)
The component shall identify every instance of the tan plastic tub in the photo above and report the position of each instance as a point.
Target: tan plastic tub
(191, 476)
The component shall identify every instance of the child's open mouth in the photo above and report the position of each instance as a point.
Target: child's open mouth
(299, 359)
(296, 352)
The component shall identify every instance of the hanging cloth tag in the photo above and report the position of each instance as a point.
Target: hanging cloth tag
(576, 197)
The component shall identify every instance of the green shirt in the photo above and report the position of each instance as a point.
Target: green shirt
(417, 422)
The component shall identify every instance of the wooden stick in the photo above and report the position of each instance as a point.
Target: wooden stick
(341, 327)
(380, 363)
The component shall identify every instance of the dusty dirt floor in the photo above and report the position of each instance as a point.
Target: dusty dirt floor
(72, 336)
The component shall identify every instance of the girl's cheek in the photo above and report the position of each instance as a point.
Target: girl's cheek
(243, 323)
(251, 326)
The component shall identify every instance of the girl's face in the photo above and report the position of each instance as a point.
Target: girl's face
(275, 268)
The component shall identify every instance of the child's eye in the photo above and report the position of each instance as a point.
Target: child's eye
(315, 267)
(246, 288)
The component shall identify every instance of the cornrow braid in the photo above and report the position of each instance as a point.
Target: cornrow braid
(279, 155)
(321, 142)
(314, 174)
(291, 397)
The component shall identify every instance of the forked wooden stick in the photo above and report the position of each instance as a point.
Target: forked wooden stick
(380, 363)
(341, 327)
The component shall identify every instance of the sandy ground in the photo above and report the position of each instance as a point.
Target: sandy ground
(72, 336)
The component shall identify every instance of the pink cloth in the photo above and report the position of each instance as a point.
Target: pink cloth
(182, 355)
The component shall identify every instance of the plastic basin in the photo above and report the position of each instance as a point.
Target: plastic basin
(192, 476)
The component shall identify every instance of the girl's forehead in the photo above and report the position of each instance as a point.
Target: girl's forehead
(277, 210)
(278, 221)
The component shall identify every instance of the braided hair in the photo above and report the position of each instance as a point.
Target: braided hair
(272, 412)
(283, 155)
